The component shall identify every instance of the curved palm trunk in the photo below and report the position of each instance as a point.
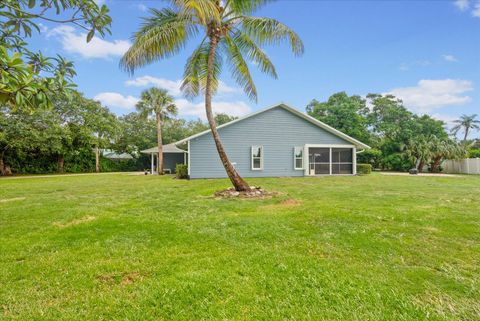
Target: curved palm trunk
(237, 181)
(160, 145)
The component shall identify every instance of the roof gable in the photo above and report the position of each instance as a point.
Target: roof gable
(293, 111)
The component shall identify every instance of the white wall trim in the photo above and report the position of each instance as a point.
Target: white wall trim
(188, 155)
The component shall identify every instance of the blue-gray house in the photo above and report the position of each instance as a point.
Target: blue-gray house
(276, 141)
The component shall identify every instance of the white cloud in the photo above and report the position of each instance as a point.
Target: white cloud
(75, 42)
(185, 107)
(476, 10)
(172, 86)
(142, 7)
(462, 5)
(235, 108)
(450, 58)
(447, 119)
(432, 94)
(112, 99)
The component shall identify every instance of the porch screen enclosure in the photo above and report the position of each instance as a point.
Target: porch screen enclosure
(330, 161)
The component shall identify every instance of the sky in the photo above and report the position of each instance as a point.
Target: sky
(425, 52)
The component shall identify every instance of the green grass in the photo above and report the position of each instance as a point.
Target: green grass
(120, 247)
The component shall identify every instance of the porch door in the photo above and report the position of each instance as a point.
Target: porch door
(319, 160)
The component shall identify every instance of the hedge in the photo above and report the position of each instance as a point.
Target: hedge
(364, 169)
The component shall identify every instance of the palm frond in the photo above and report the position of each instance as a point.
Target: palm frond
(196, 70)
(271, 32)
(255, 54)
(244, 7)
(239, 68)
(161, 35)
(205, 11)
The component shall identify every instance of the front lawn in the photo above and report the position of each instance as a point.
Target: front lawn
(122, 247)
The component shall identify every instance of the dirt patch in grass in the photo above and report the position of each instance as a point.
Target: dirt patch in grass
(125, 278)
(5, 200)
(288, 203)
(254, 192)
(78, 221)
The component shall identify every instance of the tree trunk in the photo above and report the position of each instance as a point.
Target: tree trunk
(97, 159)
(436, 164)
(420, 166)
(2, 165)
(237, 181)
(466, 135)
(60, 163)
(160, 145)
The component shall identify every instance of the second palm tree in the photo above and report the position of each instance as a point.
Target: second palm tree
(157, 102)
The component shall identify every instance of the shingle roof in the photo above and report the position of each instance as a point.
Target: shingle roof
(170, 148)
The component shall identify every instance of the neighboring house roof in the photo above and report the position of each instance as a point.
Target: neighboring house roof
(293, 111)
(111, 154)
(170, 148)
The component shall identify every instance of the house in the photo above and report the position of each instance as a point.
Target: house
(276, 141)
(172, 155)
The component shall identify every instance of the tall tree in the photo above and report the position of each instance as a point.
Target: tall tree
(28, 77)
(346, 113)
(222, 118)
(467, 123)
(229, 32)
(157, 102)
(101, 125)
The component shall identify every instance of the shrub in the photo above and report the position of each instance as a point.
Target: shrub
(182, 171)
(474, 153)
(364, 169)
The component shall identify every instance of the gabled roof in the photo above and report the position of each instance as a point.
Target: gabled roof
(170, 148)
(293, 111)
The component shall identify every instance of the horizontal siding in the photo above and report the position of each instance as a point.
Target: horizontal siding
(170, 160)
(277, 130)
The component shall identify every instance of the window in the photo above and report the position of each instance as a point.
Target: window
(257, 158)
(298, 158)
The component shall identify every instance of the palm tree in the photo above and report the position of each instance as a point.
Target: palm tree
(441, 149)
(156, 101)
(229, 31)
(418, 151)
(467, 122)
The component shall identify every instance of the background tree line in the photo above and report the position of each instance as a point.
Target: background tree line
(400, 139)
(68, 136)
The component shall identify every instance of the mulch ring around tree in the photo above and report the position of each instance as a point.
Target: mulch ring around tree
(254, 192)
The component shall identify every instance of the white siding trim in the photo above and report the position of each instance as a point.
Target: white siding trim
(295, 158)
(330, 146)
(354, 161)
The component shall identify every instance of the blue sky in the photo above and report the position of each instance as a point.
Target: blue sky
(425, 52)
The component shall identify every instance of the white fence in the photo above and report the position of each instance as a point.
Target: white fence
(462, 166)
